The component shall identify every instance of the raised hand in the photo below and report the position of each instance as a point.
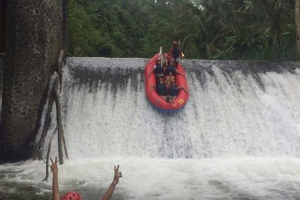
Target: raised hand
(54, 167)
(117, 175)
(55, 186)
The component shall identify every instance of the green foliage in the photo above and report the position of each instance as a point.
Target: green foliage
(214, 29)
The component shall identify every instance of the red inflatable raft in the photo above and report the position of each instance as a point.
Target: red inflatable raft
(154, 98)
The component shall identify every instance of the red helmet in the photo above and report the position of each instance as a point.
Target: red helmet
(71, 196)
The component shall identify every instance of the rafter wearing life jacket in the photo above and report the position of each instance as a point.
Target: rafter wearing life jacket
(175, 52)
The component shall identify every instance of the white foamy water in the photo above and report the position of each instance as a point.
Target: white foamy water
(229, 115)
(166, 179)
(237, 137)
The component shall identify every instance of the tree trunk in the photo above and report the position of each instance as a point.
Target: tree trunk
(59, 125)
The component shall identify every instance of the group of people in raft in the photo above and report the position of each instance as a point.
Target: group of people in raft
(166, 86)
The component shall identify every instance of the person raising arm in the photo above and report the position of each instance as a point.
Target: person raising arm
(55, 187)
(112, 186)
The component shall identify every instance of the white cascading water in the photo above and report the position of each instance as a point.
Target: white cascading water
(238, 137)
(225, 117)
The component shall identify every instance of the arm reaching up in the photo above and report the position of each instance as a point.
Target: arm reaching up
(112, 186)
(70, 195)
(55, 188)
